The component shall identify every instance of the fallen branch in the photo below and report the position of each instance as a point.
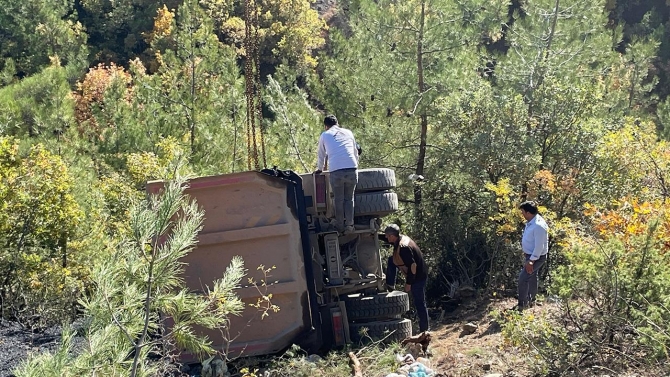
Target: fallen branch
(355, 365)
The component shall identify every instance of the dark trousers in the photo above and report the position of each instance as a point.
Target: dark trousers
(418, 291)
(528, 283)
(343, 183)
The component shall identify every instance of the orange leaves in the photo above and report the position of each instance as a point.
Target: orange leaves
(545, 179)
(90, 95)
(631, 218)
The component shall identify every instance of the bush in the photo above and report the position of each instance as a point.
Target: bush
(38, 216)
(39, 106)
(136, 288)
(614, 291)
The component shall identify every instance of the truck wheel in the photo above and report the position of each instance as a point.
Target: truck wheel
(375, 179)
(393, 330)
(376, 203)
(382, 305)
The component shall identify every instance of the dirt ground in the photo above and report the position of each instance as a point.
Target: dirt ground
(16, 342)
(456, 352)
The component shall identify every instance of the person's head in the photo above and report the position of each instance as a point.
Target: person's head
(528, 209)
(330, 121)
(392, 233)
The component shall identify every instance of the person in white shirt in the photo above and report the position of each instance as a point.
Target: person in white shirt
(338, 152)
(535, 245)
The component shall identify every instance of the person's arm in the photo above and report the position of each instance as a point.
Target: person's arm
(358, 157)
(321, 154)
(539, 238)
(408, 259)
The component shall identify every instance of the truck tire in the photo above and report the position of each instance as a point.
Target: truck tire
(376, 203)
(393, 330)
(377, 179)
(382, 305)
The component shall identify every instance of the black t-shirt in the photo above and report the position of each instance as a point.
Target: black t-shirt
(410, 253)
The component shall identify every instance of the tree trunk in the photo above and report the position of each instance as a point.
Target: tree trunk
(192, 110)
(421, 158)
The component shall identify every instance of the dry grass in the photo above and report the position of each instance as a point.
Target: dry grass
(452, 352)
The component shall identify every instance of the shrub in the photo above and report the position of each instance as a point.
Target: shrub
(614, 291)
(38, 216)
(136, 288)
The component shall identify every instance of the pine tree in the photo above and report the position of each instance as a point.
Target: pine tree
(399, 60)
(33, 31)
(137, 286)
(196, 90)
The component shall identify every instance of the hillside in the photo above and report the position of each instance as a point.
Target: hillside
(476, 106)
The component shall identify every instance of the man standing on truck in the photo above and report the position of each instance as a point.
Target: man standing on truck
(408, 259)
(337, 150)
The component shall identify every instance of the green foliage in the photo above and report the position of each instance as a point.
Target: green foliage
(147, 166)
(546, 342)
(645, 20)
(389, 71)
(35, 31)
(118, 29)
(614, 295)
(371, 81)
(38, 208)
(39, 106)
(631, 161)
(290, 31)
(38, 217)
(137, 287)
(491, 102)
(295, 125)
(195, 96)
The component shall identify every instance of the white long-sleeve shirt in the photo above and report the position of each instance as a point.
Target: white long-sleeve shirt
(535, 240)
(337, 146)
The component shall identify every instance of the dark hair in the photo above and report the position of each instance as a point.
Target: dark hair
(330, 120)
(392, 229)
(529, 206)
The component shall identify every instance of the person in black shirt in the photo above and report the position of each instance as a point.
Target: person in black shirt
(408, 259)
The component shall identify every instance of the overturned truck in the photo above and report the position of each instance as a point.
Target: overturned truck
(328, 286)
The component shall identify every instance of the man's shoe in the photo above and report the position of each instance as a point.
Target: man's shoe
(349, 229)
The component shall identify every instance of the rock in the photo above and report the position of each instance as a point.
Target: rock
(214, 368)
(486, 366)
(185, 368)
(470, 328)
(314, 358)
(424, 361)
(494, 375)
(405, 359)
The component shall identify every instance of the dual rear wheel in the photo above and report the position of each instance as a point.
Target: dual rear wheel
(378, 317)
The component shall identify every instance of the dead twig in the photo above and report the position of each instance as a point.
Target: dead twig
(355, 365)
